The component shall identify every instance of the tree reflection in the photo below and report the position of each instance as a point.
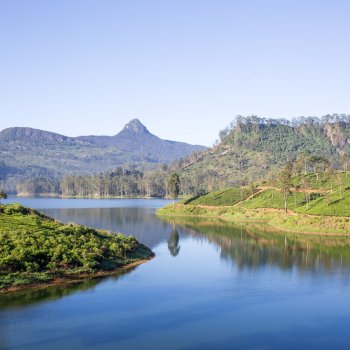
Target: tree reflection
(251, 246)
(173, 242)
(32, 296)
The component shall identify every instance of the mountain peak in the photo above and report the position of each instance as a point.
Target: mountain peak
(136, 126)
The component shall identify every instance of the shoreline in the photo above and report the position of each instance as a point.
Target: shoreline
(73, 278)
(58, 195)
(276, 219)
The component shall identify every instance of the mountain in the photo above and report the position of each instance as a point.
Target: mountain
(27, 153)
(251, 148)
(136, 139)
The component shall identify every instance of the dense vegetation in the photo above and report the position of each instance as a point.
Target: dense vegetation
(309, 185)
(115, 183)
(118, 182)
(34, 248)
(252, 148)
(27, 153)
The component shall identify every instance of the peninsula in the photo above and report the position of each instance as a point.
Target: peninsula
(36, 250)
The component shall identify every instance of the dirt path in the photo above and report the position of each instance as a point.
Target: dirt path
(293, 189)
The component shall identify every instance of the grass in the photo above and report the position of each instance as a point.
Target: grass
(323, 181)
(37, 249)
(274, 199)
(330, 204)
(224, 197)
(324, 212)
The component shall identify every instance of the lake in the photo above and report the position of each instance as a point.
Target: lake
(212, 285)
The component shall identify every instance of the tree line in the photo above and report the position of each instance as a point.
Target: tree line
(118, 182)
(253, 121)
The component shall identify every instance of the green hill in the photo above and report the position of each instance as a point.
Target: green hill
(37, 249)
(251, 148)
(323, 207)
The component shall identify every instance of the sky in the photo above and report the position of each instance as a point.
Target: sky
(185, 68)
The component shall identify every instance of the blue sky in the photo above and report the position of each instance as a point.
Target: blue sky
(184, 68)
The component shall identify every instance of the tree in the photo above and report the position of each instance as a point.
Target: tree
(301, 164)
(344, 161)
(3, 194)
(174, 186)
(331, 174)
(320, 165)
(286, 182)
(340, 183)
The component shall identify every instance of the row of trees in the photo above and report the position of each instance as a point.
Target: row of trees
(119, 182)
(310, 120)
(116, 183)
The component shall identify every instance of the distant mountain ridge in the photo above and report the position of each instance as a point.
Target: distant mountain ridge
(135, 135)
(27, 152)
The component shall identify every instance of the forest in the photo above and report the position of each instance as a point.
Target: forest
(118, 182)
(248, 150)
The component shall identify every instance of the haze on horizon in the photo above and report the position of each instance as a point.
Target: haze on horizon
(184, 68)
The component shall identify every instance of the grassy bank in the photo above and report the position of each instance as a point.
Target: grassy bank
(276, 219)
(320, 209)
(35, 249)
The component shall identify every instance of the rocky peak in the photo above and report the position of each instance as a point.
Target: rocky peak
(136, 126)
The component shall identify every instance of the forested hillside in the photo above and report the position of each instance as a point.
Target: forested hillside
(27, 153)
(251, 148)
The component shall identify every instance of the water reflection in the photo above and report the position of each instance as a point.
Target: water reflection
(253, 246)
(173, 242)
(34, 296)
(139, 222)
(247, 246)
(234, 284)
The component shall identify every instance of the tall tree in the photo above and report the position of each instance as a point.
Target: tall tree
(319, 164)
(3, 194)
(174, 186)
(286, 183)
(301, 164)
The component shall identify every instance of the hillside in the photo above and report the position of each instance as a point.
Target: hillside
(36, 249)
(29, 153)
(321, 208)
(251, 148)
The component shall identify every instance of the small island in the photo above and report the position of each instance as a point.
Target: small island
(37, 251)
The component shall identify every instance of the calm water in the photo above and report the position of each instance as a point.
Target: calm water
(212, 285)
